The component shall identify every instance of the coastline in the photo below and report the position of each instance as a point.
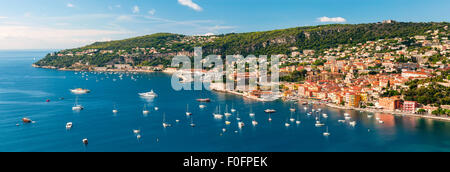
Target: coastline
(396, 113)
(91, 70)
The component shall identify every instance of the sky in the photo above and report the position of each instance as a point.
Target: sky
(62, 24)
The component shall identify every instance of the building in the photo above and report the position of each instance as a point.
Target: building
(352, 100)
(410, 106)
(390, 103)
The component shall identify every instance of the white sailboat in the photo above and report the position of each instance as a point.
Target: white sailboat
(187, 111)
(233, 109)
(115, 110)
(326, 133)
(164, 124)
(77, 107)
(226, 111)
(192, 122)
(218, 115)
(145, 111)
(292, 119)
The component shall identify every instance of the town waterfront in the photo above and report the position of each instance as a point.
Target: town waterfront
(24, 91)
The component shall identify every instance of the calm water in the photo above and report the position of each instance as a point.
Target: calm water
(24, 90)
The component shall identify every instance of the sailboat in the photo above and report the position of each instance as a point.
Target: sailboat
(192, 122)
(292, 109)
(187, 111)
(145, 111)
(165, 125)
(326, 133)
(115, 109)
(226, 111)
(251, 112)
(233, 109)
(298, 120)
(77, 107)
(292, 119)
(238, 118)
(218, 115)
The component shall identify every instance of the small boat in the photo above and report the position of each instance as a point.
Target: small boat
(304, 103)
(325, 115)
(227, 114)
(241, 124)
(369, 116)
(227, 122)
(177, 121)
(26, 120)
(218, 116)
(270, 111)
(293, 110)
(204, 100)
(309, 114)
(80, 91)
(202, 106)
(348, 118)
(318, 124)
(150, 94)
(381, 122)
(192, 122)
(187, 111)
(69, 125)
(353, 123)
(341, 121)
(287, 124)
(136, 131)
(292, 119)
(48, 100)
(298, 122)
(156, 108)
(138, 136)
(145, 111)
(164, 124)
(115, 111)
(326, 133)
(233, 109)
(85, 141)
(255, 123)
(305, 108)
(252, 114)
(77, 107)
(270, 119)
(346, 114)
(224, 130)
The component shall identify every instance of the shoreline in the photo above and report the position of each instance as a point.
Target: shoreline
(395, 113)
(108, 70)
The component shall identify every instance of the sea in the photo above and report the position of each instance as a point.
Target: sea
(24, 92)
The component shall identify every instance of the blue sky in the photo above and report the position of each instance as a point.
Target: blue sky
(60, 24)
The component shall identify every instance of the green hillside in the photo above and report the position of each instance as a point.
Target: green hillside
(257, 43)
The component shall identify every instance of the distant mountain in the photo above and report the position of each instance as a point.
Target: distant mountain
(159, 48)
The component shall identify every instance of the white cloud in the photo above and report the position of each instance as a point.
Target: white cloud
(136, 9)
(70, 5)
(152, 12)
(190, 4)
(3, 17)
(332, 20)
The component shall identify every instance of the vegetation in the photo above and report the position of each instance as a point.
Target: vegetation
(273, 42)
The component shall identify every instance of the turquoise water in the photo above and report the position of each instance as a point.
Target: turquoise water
(24, 90)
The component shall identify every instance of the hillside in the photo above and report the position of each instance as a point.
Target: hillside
(159, 48)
